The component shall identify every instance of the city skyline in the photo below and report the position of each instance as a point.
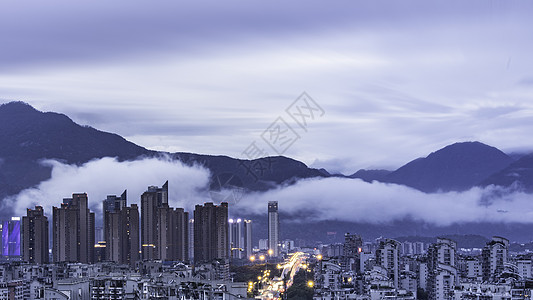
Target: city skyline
(347, 149)
(436, 269)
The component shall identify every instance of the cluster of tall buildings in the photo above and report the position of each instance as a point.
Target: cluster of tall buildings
(157, 232)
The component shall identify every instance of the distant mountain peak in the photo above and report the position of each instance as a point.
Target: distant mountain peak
(462, 146)
(456, 167)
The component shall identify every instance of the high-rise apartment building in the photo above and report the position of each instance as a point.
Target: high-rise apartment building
(442, 269)
(173, 242)
(211, 236)
(112, 206)
(35, 236)
(388, 257)
(353, 246)
(164, 230)
(494, 257)
(273, 228)
(121, 230)
(73, 230)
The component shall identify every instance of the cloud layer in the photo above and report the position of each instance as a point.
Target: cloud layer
(107, 176)
(308, 200)
(358, 201)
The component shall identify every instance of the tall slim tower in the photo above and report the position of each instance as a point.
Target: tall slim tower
(73, 230)
(211, 236)
(273, 228)
(121, 230)
(248, 238)
(191, 239)
(35, 236)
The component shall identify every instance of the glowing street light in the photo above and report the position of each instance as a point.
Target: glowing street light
(319, 257)
(262, 257)
(270, 252)
(252, 258)
(310, 284)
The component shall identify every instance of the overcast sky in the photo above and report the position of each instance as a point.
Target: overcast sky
(396, 79)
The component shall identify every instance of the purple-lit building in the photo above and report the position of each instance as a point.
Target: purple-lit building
(10, 244)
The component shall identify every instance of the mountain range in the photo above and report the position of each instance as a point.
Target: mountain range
(27, 136)
(460, 167)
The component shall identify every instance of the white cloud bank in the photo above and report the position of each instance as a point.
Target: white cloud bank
(310, 199)
(359, 201)
(107, 176)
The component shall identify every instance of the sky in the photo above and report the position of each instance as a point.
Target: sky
(395, 80)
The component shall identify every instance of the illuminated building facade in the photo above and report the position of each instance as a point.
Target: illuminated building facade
(10, 237)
